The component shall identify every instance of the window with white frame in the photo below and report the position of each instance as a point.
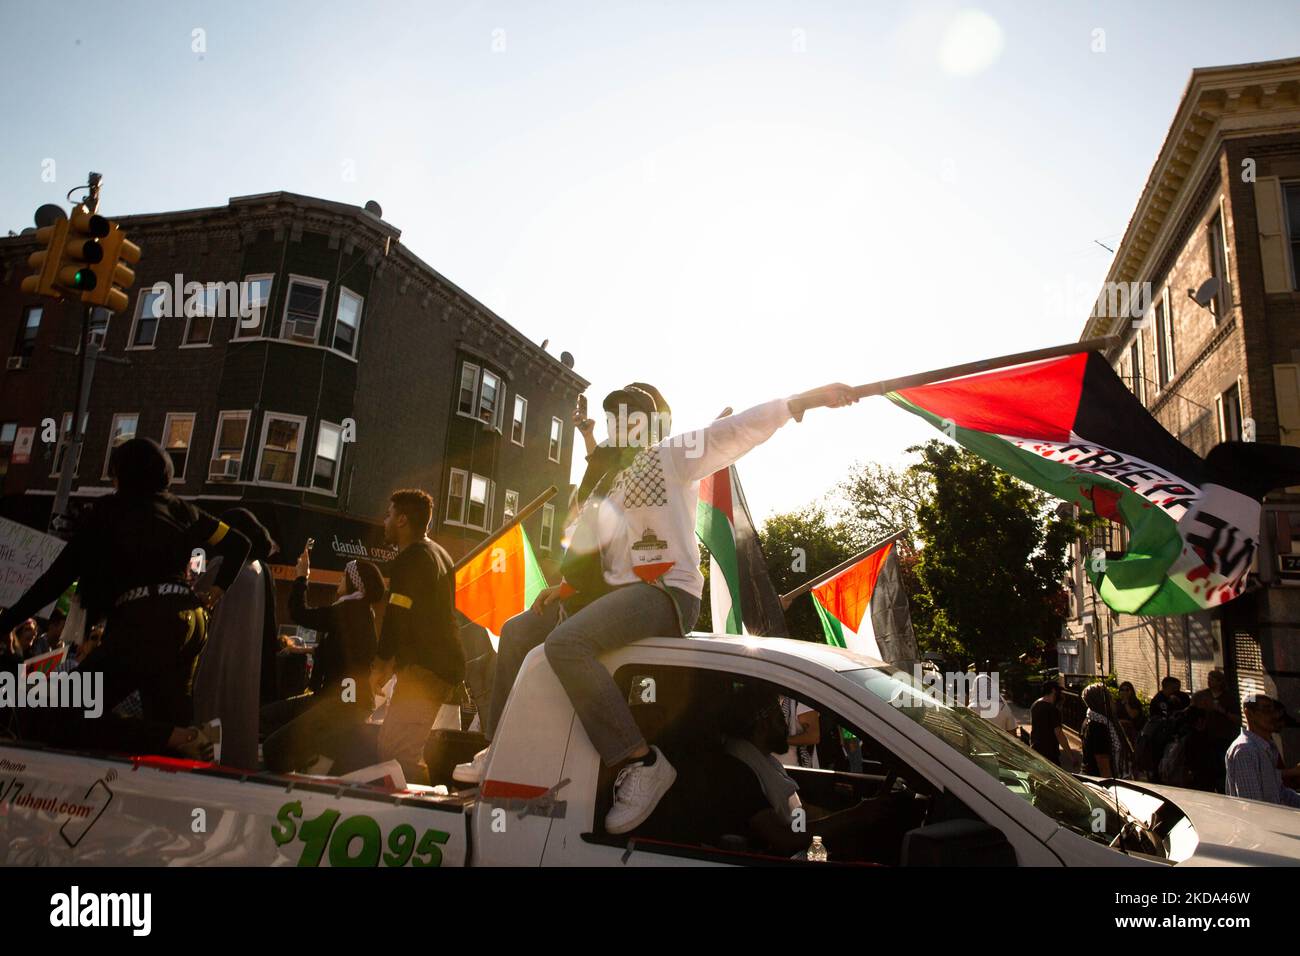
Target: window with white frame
(519, 420)
(277, 462)
(329, 450)
(228, 448)
(511, 506)
(178, 433)
(144, 327)
(478, 507)
(1135, 366)
(456, 482)
(65, 442)
(557, 440)
(254, 298)
(468, 388)
(1216, 240)
(99, 319)
(489, 398)
(32, 316)
(1291, 199)
(347, 322)
(1228, 406)
(201, 313)
(303, 307)
(548, 526)
(121, 431)
(8, 435)
(1164, 341)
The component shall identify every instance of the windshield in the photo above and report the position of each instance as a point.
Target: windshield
(1045, 786)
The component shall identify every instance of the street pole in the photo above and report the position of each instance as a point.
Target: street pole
(60, 523)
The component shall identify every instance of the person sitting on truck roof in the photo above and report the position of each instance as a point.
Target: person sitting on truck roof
(632, 570)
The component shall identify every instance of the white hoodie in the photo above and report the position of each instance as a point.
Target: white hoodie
(646, 524)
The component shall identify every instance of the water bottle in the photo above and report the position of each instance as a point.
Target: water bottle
(817, 852)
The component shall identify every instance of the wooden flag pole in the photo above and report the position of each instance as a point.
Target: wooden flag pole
(525, 512)
(788, 599)
(984, 365)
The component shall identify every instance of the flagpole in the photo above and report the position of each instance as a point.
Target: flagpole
(788, 599)
(984, 365)
(525, 512)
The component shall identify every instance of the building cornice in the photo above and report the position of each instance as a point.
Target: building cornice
(1218, 104)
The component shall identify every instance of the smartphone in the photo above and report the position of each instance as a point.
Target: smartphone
(580, 415)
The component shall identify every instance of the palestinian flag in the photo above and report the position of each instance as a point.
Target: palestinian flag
(1072, 428)
(46, 663)
(499, 583)
(741, 596)
(864, 609)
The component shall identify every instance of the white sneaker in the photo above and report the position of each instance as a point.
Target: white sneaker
(637, 792)
(471, 772)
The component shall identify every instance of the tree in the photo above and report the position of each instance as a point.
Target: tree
(798, 546)
(879, 501)
(992, 558)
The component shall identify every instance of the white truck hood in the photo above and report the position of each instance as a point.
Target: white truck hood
(1229, 831)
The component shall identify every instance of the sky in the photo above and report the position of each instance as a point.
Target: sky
(735, 201)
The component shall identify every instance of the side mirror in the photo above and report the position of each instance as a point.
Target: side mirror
(957, 843)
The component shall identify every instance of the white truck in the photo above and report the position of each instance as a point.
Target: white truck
(960, 791)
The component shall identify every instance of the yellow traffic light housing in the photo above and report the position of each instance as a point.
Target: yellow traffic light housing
(112, 273)
(81, 252)
(47, 261)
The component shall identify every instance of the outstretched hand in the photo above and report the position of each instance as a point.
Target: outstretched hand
(836, 395)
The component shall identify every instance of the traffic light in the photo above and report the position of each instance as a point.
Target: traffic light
(112, 272)
(81, 251)
(47, 260)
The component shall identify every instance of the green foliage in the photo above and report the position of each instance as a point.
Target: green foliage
(992, 557)
(798, 546)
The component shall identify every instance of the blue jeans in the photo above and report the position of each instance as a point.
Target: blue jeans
(572, 648)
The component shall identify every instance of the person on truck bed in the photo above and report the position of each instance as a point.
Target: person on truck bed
(420, 641)
(632, 570)
(131, 558)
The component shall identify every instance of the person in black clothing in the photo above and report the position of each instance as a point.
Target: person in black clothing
(1170, 700)
(1130, 710)
(323, 722)
(131, 557)
(1045, 731)
(420, 642)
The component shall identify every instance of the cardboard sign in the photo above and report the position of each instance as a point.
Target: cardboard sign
(25, 553)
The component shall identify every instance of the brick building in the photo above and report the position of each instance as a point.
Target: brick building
(1222, 201)
(355, 369)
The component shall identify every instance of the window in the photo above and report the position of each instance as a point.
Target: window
(489, 397)
(65, 440)
(1216, 240)
(99, 325)
(27, 334)
(8, 435)
(144, 329)
(456, 497)
(178, 432)
(228, 450)
(478, 509)
(511, 507)
(1291, 197)
(519, 420)
(557, 439)
(329, 449)
(302, 309)
(200, 316)
(1164, 341)
(548, 526)
(1135, 365)
(122, 430)
(255, 297)
(281, 443)
(1228, 406)
(468, 388)
(347, 321)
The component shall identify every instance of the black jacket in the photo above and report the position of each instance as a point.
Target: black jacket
(127, 542)
(346, 631)
(419, 621)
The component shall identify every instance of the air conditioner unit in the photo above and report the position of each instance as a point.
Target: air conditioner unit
(16, 362)
(224, 469)
(303, 330)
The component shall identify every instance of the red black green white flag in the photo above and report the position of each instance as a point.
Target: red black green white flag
(741, 596)
(864, 609)
(1072, 428)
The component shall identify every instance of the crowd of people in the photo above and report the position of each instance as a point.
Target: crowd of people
(1196, 741)
(183, 645)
